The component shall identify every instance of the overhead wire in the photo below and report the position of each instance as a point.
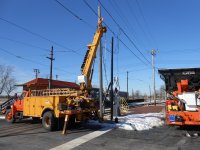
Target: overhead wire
(124, 32)
(29, 60)
(143, 17)
(90, 7)
(104, 66)
(73, 14)
(23, 43)
(104, 61)
(20, 57)
(117, 56)
(34, 46)
(38, 35)
(135, 70)
(115, 34)
(123, 17)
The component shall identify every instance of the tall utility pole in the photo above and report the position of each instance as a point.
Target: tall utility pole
(100, 74)
(37, 71)
(150, 93)
(127, 85)
(153, 53)
(111, 82)
(56, 77)
(132, 94)
(51, 66)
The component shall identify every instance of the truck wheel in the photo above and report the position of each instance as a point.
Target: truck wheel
(48, 121)
(9, 116)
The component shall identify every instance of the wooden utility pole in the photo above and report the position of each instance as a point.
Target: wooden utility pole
(111, 82)
(150, 93)
(127, 85)
(37, 71)
(51, 66)
(100, 74)
(153, 53)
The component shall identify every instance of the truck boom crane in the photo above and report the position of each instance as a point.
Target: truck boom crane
(86, 69)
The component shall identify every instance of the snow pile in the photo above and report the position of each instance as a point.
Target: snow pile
(137, 122)
(141, 121)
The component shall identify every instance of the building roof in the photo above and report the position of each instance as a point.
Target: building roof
(55, 83)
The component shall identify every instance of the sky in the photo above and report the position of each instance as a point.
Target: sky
(28, 30)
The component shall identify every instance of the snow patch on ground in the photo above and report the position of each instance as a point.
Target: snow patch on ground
(137, 122)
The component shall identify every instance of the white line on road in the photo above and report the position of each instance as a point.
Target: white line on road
(2, 117)
(182, 141)
(83, 139)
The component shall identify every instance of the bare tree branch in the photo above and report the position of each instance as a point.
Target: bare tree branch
(5, 76)
(10, 86)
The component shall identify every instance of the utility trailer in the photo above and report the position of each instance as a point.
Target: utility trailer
(183, 95)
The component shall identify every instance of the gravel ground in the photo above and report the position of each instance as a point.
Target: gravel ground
(146, 109)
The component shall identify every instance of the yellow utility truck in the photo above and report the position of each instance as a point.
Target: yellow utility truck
(51, 105)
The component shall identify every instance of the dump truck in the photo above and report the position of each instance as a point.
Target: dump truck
(183, 96)
(52, 105)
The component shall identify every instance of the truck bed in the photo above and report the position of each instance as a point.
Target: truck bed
(172, 76)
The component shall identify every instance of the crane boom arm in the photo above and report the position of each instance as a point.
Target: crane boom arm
(90, 56)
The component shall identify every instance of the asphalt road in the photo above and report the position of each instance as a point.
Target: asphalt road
(162, 138)
(28, 135)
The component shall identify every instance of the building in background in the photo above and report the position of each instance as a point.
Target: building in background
(41, 83)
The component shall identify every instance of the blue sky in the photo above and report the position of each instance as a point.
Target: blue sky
(170, 27)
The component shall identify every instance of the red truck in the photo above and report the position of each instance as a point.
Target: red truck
(183, 95)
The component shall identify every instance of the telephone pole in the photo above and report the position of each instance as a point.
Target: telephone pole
(100, 74)
(127, 85)
(51, 66)
(37, 71)
(150, 93)
(111, 82)
(153, 53)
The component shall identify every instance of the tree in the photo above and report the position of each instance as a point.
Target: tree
(6, 80)
(133, 95)
(145, 96)
(162, 92)
(137, 94)
(10, 86)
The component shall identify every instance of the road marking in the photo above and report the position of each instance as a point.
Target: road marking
(2, 117)
(182, 141)
(83, 139)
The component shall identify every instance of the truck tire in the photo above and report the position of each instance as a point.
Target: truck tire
(49, 121)
(9, 116)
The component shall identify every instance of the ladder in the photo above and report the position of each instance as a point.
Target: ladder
(55, 92)
(6, 104)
